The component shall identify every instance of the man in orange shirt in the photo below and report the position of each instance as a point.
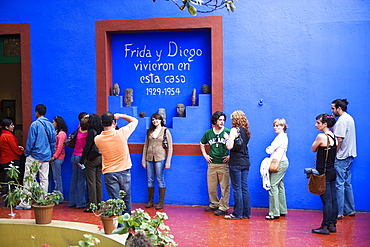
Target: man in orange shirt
(116, 161)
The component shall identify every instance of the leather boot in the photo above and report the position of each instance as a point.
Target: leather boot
(150, 197)
(332, 228)
(162, 193)
(322, 230)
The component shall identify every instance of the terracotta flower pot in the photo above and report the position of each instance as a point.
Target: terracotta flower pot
(109, 223)
(43, 214)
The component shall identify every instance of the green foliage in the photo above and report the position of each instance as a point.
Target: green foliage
(89, 241)
(111, 207)
(33, 192)
(205, 6)
(155, 228)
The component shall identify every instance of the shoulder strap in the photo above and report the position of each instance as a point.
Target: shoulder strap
(327, 151)
(164, 134)
(333, 137)
(51, 150)
(45, 130)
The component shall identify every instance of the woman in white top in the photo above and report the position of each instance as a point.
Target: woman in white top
(277, 150)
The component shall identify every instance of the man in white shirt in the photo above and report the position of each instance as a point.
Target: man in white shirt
(344, 130)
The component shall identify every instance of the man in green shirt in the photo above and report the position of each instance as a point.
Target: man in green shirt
(217, 159)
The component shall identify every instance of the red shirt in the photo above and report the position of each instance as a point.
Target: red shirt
(9, 148)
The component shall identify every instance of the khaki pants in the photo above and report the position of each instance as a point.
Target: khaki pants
(277, 203)
(218, 174)
(43, 175)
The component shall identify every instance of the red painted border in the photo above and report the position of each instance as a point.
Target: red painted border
(104, 60)
(178, 149)
(23, 29)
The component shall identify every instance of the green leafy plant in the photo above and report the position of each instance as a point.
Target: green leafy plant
(204, 6)
(90, 240)
(109, 208)
(33, 192)
(154, 227)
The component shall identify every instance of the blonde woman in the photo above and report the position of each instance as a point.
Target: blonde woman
(239, 166)
(277, 150)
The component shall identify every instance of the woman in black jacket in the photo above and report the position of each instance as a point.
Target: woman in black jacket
(92, 160)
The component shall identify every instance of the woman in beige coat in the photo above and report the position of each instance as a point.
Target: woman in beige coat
(155, 159)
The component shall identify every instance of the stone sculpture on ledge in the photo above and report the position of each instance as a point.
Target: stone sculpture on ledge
(116, 89)
(162, 112)
(193, 97)
(206, 89)
(129, 96)
(180, 109)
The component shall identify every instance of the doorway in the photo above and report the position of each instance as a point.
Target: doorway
(10, 82)
(15, 79)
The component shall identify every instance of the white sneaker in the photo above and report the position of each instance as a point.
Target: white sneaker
(19, 207)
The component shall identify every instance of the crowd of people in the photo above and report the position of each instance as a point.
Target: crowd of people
(335, 148)
(101, 149)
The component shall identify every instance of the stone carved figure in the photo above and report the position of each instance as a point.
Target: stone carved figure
(162, 112)
(193, 97)
(142, 114)
(129, 96)
(180, 109)
(116, 89)
(206, 89)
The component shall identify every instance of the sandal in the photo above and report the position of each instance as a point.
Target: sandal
(271, 217)
(231, 217)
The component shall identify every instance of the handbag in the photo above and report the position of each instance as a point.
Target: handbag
(165, 142)
(71, 140)
(275, 164)
(238, 142)
(317, 183)
(94, 151)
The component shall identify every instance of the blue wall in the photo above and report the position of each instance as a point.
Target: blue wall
(297, 56)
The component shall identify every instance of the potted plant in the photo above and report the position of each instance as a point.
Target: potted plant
(108, 211)
(153, 227)
(42, 202)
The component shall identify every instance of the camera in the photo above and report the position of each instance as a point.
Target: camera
(308, 172)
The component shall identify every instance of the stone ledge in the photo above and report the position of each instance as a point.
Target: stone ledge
(17, 232)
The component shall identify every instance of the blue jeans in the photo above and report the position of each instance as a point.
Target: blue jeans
(239, 181)
(346, 202)
(77, 190)
(158, 168)
(56, 168)
(116, 181)
(329, 200)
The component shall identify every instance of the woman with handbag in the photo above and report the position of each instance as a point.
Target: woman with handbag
(277, 151)
(326, 148)
(237, 143)
(92, 160)
(158, 139)
(59, 153)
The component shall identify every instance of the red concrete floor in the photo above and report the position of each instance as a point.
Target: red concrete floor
(191, 227)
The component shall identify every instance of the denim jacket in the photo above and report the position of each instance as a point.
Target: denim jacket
(41, 140)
